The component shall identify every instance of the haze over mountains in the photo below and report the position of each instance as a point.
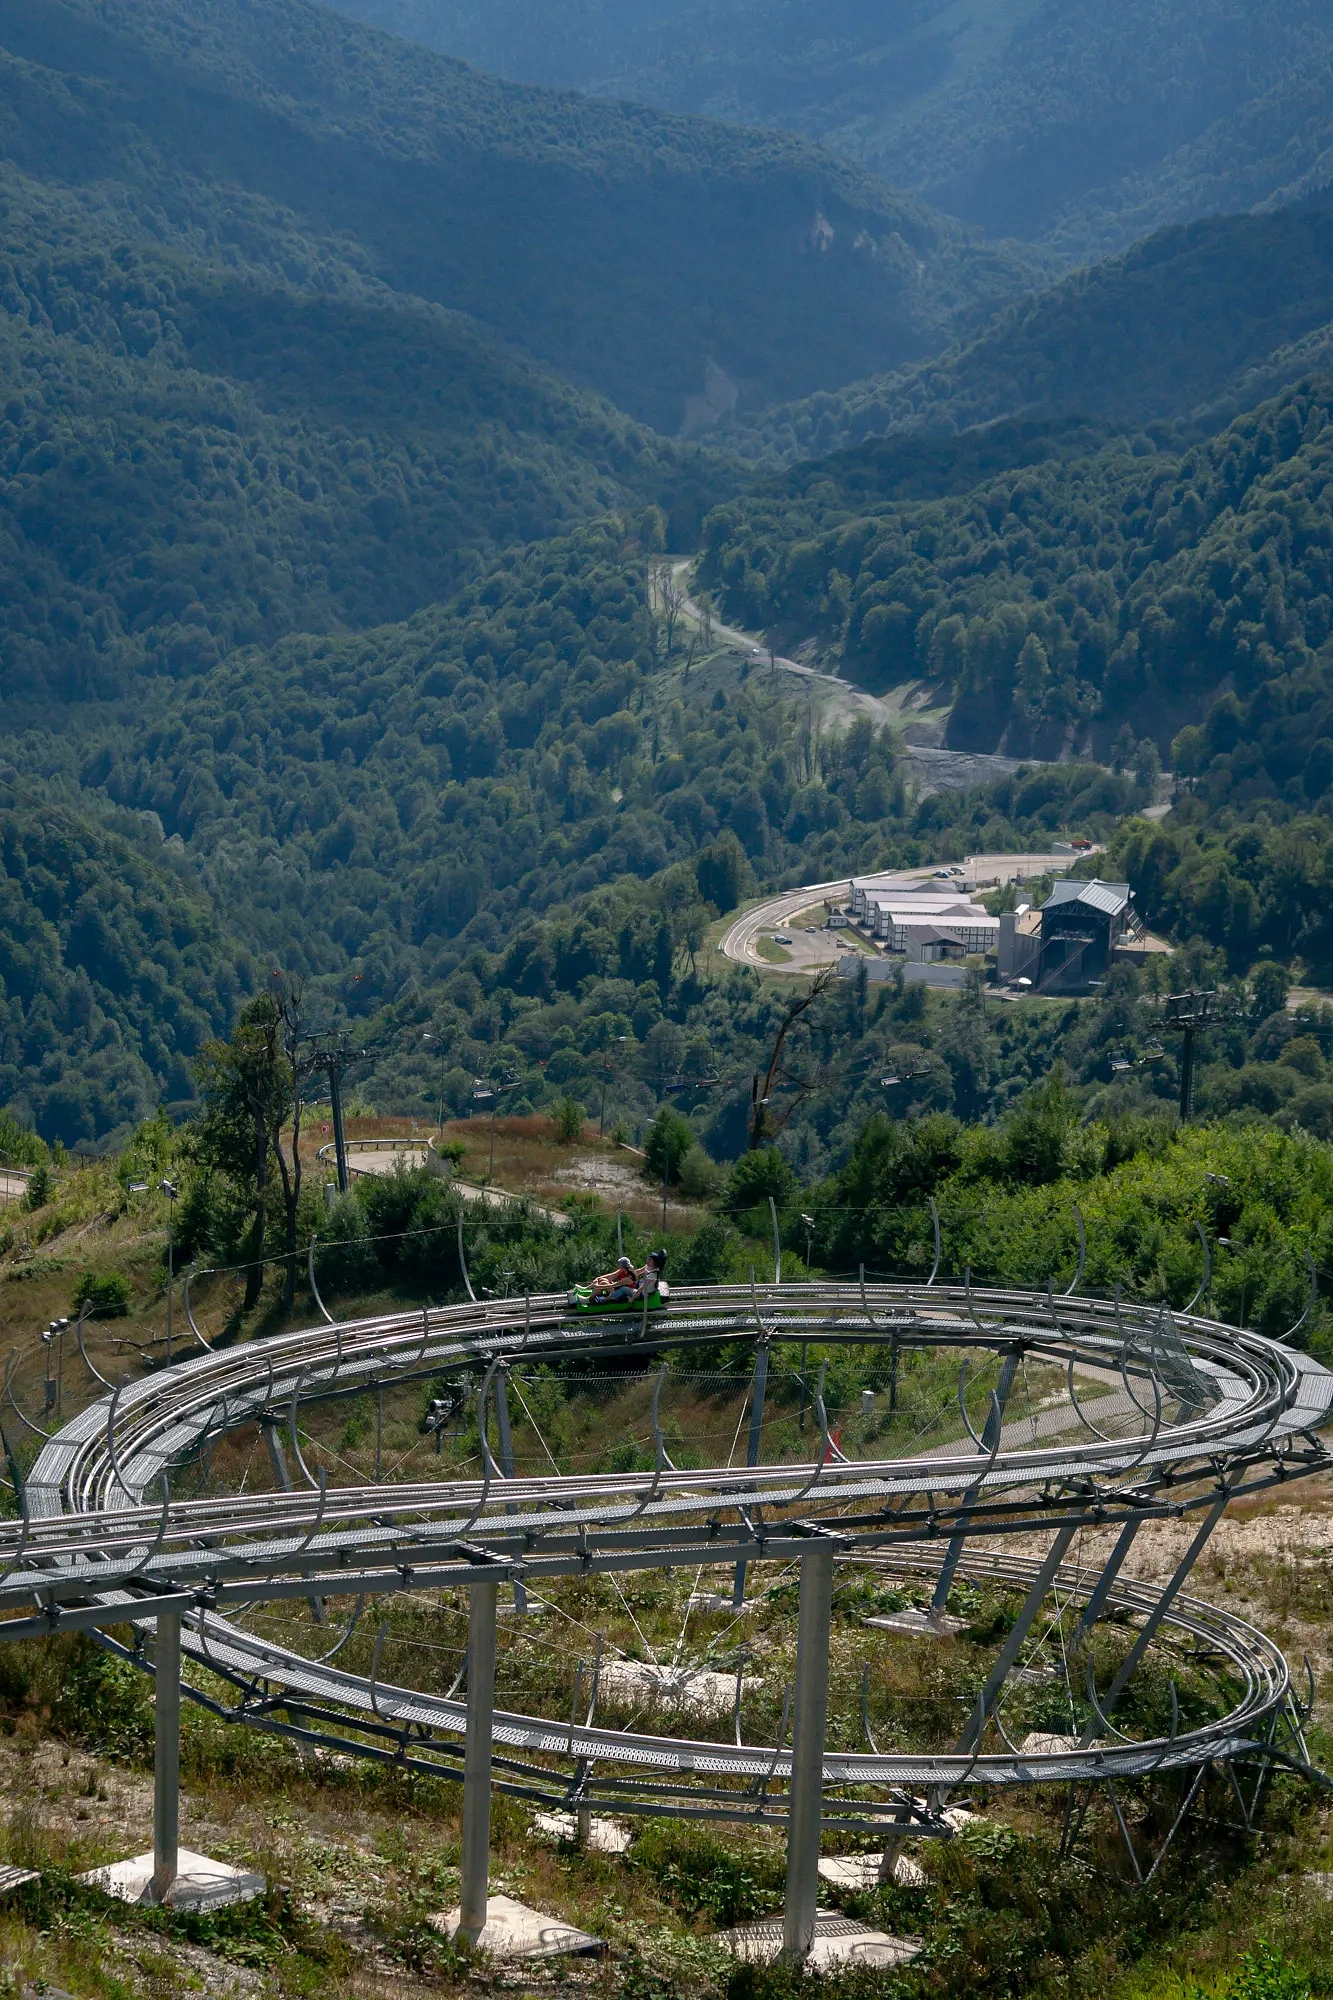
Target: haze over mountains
(1069, 121)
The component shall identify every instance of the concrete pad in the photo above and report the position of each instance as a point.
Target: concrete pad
(1038, 1744)
(514, 1931)
(838, 1941)
(861, 1871)
(918, 1624)
(14, 1878)
(706, 1693)
(605, 1836)
(711, 1601)
(200, 1884)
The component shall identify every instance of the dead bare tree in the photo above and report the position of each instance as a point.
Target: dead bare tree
(765, 1126)
(671, 597)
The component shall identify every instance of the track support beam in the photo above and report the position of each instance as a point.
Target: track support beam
(752, 1446)
(809, 1725)
(989, 1439)
(166, 1754)
(476, 1870)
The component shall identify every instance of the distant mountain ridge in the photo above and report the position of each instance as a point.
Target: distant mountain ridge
(1065, 121)
(624, 248)
(1191, 326)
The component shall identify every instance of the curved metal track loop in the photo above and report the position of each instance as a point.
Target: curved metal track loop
(27, 1422)
(293, 1427)
(1082, 1253)
(865, 1709)
(193, 1324)
(322, 1309)
(462, 1258)
(1079, 1410)
(1207, 1277)
(96, 1373)
(1310, 1300)
(935, 1223)
(161, 1530)
(322, 1658)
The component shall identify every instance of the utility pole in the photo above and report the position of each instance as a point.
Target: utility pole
(1189, 1012)
(333, 1059)
(170, 1190)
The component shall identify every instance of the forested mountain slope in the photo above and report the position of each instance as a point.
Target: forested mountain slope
(196, 455)
(366, 811)
(1192, 325)
(1065, 120)
(626, 249)
(1057, 601)
(113, 969)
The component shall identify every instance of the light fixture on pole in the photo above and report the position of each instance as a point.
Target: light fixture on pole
(443, 1052)
(171, 1191)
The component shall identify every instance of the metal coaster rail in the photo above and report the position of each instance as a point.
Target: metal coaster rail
(1205, 1413)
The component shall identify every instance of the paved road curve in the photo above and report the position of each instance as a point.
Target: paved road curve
(740, 941)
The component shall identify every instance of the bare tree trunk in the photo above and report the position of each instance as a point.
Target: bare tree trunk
(759, 1119)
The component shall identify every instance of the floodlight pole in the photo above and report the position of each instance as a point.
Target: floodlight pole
(166, 1754)
(809, 1726)
(476, 1857)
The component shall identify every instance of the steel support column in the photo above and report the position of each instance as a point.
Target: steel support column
(166, 1754)
(809, 1724)
(975, 1727)
(505, 1439)
(1013, 1644)
(484, 1602)
(752, 1449)
(277, 1458)
(1157, 1614)
(994, 1423)
(1101, 1590)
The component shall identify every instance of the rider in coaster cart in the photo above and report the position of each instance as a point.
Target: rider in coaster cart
(624, 1286)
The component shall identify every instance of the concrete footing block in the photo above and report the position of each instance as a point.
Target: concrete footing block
(918, 1624)
(838, 1941)
(861, 1871)
(201, 1883)
(605, 1836)
(514, 1931)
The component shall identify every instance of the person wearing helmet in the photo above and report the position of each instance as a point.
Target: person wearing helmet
(650, 1277)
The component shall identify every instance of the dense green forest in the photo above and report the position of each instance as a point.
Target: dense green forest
(1119, 340)
(113, 970)
(197, 457)
(626, 249)
(365, 811)
(1062, 119)
(1064, 601)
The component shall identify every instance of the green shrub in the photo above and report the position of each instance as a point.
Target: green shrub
(106, 1294)
(41, 1186)
(567, 1117)
(705, 1872)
